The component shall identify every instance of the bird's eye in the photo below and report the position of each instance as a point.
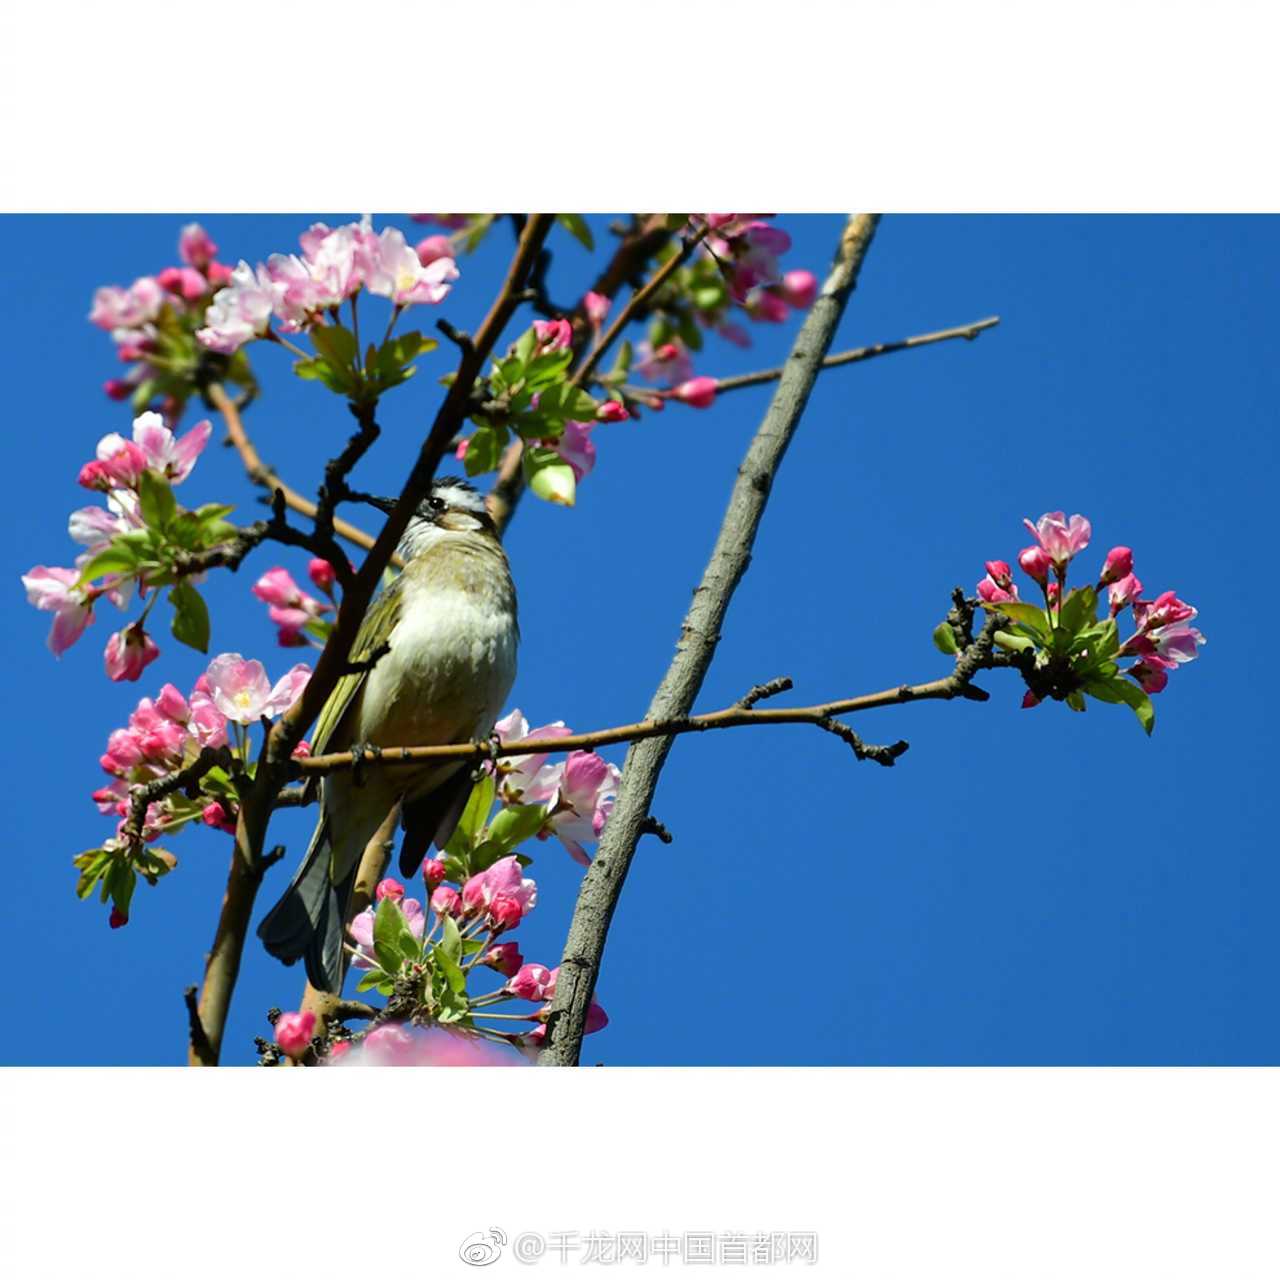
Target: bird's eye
(436, 504)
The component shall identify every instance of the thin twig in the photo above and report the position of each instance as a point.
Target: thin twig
(602, 885)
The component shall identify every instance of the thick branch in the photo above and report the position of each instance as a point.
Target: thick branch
(602, 885)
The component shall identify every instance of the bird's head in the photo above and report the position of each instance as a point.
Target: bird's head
(452, 507)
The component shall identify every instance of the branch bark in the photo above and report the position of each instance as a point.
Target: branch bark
(602, 885)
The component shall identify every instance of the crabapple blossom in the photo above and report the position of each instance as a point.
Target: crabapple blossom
(596, 306)
(527, 779)
(290, 608)
(118, 465)
(433, 873)
(505, 957)
(669, 364)
(433, 248)
(241, 311)
(1060, 538)
(583, 801)
(168, 456)
(446, 901)
(293, 1032)
(395, 272)
(322, 574)
(1124, 592)
(697, 393)
(116, 309)
(530, 982)
(1118, 564)
(195, 246)
(576, 448)
(1036, 563)
(184, 282)
(502, 882)
(389, 888)
(129, 653)
(362, 926)
(612, 411)
(55, 591)
(242, 693)
(800, 288)
(767, 306)
(552, 335)
(990, 589)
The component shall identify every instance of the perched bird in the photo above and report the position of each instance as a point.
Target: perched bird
(450, 622)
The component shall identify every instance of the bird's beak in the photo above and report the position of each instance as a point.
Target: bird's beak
(383, 504)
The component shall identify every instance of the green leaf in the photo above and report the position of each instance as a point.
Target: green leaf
(336, 344)
(622, 365)
(944, 638)
(92, 865)
(515, 824)
(1029, 615)
(451, 938)
(1079, 608)
(155, 500)
(1006, 640)
(543, 371)
(338, 380)
(388, 925)
(190, 617)
(562, 402)
(485, 449)
(449, 967)
(116, 557)
(576, 225)
(371, 979)
(1139, 701)
(552, 481)
(1075, 700)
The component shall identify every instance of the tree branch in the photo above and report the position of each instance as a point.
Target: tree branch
(602, 885)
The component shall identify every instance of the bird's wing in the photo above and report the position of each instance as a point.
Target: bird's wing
(377, 622)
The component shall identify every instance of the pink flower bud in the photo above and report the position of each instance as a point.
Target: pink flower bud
(461, 451)
(697, 393)
(184, 282)
(129, 652)
(1152, 678)
(171, 704)
(668, 351)
(301, 751)
(117, 919)
(294, 1032)
(612, 411)
(445, 901)
(800, 288)
(530, 981)
(1123, 593)
(219, 273)
(215, 816)
(321, 573)
(992, 594)
(389, 888)
(1036, 563)
(117, 389)
(552, 335)
(597, 1019)
(195, 247)
(1000, 573)
(433, 248)
(473, 893)
(338, 1052)
(505, 958)
(596, 305)
(505, 912)
(1054, 592)
(1029, 700)
(1119, 564)
(769, 307)
(433, 872)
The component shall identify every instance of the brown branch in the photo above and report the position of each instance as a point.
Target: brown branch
(265, 476)
(248, 863)
(967, 331)
(603, 883)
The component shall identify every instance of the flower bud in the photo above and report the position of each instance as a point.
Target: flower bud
(530, 982)
(596, 305)
(389, 888)
(1035, 562)
(294, 1032)
(1029, 700)
(338, 1052)
(1124, 592)
(321, 573)
(505, 958)
(433, 248)
(219, 273)
(215, 816)
(552, 335)
(117, 389)
(195, 246)
(445, 901)
(129, 652)
(118, 919)
(992, 594)
(697, 393)
(800, 288)
(505, 913)
(1000, 573)
(612, 411)
(433, 872)
(1119, 564)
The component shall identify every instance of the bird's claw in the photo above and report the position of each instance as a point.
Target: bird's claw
(360, 751)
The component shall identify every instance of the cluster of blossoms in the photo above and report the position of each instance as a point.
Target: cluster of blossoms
(122, 470)
(166, 733)
(153, 323)
(1075, 653)
(462, 938)
(293, 611)
(577, 793)
(335, 265)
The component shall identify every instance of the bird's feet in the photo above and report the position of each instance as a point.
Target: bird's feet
(360, 752)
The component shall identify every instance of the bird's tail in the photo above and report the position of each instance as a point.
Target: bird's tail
(307, 923)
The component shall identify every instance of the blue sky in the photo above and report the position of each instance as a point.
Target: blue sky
(1024, 888)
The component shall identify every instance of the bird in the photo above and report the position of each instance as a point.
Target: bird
(450, 629)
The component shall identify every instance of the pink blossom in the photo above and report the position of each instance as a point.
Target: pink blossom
(113, 798)
(505, 881)
(122, 754)
(1035, 563)
(207, 723)
(294, 1031)
(800, 288)
(1152, 679)
(596, 306)
(291, 609)
(118, 465)
(697, 393)
(576, 448)
(583, 801)
(1170, 646)
(433, 873)
(215, 816)
(195, 247)
(394, 272)
(242, 693)
(337, 259)
(433, 248)
(183, 282)
(1123, 593)
(612, 411)
(527, 779)
(219, 273)
(119, 309)
(1000, 573)
(240, 312)
(504, 913)
(505, 957)
(1165, 609)
(54, 590)
(734, 333)
(167, 455)
(172, 705)
(990, 590)
(530, 982)
(298, 292)
(768, 306)
(337, 1052)
(389, 1045)
(117, 389)
(669, 364)
(552, 335)
(389, 888)
(446, 901)
(322, 574)
(596, 1020)
(1061, 538)
(129, 653)
(1119, 564)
